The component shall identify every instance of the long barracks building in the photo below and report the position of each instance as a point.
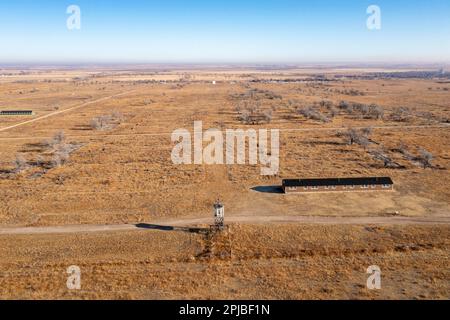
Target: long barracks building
(337, 184)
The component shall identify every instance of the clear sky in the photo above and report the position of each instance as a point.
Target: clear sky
(224, 31)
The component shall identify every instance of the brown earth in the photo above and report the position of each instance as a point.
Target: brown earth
(125, 175)
(248, 262)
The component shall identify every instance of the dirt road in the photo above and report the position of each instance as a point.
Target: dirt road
(66, 110)
(159, 134)
(168, 224)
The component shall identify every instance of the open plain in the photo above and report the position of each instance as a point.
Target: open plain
(91, 169)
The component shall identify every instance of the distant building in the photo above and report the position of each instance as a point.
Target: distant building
(337, 184)
(16, 113)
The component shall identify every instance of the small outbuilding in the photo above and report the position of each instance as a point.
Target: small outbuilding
(337, 184)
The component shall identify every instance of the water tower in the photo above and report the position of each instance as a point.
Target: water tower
(219, 215)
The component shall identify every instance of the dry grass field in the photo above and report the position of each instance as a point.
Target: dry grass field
(266, 262)
(98, 151)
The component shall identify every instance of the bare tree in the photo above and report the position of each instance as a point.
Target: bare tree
(20, 163)
(333, 111)
(56, 161)
(360, 137)
(381, 155)
(59, 158)
(95, 124)
(363, 141)
(40, 161)
(268, 115)
(244, 116)
(102, 122)
(401, 114)
(425, 157)
(376, 111)
(311, 113)
(117, 116)
(59, 137)
(351, 135)
(367, 132)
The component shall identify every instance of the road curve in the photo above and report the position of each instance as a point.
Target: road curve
(311, 220)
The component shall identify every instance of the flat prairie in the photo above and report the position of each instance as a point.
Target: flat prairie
(97, 151)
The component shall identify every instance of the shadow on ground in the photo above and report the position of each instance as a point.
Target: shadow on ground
(170, 228)
(268, 189)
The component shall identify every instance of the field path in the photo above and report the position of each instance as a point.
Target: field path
(66, 110)
(168, 224)
(158, 134)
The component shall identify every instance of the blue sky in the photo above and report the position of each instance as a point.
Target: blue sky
(232, 31)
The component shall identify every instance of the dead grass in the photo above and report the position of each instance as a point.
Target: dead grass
(125, 175)
(276, 262)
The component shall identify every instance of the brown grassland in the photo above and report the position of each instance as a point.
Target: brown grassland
(122, 173)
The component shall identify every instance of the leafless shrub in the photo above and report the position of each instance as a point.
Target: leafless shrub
(268, 115)
(102, 123)
(40, 161)
(401, 114)
(257, 94)
(333, 111)
(346, 106)
(56, 161)
(118, 117)
(426, 115)
(367, 132)
(252, 113)
(362, 108)
(372, 111)
(381, 155)
(59, 137)
(20, 163)
(375, 112)
(353, 136)
(244, 116)
(326, 103)
(311, 113)
(425, 158)
(403, 149)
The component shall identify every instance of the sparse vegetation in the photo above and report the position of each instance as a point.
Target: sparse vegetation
(20, 163)
(313, 114)
(139, 184)
(107, 122)
(401, 114)
(252, 113)
(354, 136)
(425, 157)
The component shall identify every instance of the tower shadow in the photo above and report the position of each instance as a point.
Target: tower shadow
(171, 228)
